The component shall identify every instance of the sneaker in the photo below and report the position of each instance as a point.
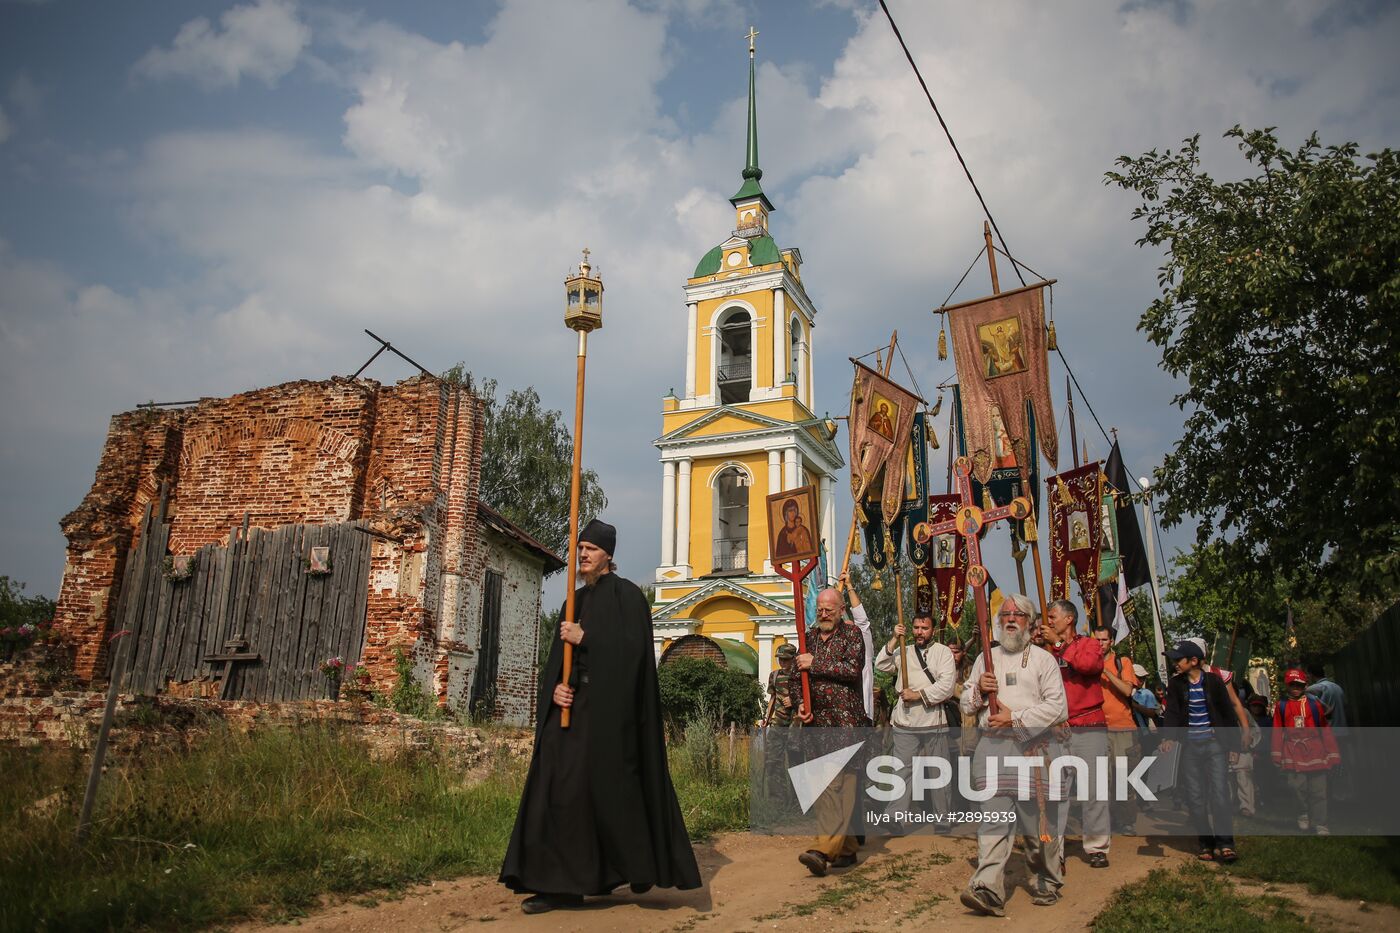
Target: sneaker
(815, 862)
(1045, 898)
(1323, 831)
(1098, 860)
(1303, 822)
(979, 901)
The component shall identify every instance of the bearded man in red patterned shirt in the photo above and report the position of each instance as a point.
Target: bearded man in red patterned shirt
(834, 664)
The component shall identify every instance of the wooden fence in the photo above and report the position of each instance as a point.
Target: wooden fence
(249, 615)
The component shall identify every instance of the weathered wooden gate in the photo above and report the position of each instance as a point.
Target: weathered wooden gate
(250, 615)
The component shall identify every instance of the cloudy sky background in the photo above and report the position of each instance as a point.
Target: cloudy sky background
(197, 199)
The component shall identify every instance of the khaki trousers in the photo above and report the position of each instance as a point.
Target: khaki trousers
(833, 811)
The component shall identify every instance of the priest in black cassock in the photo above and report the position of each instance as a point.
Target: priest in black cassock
(598, 810)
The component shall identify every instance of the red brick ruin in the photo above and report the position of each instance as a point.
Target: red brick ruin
(404, 458)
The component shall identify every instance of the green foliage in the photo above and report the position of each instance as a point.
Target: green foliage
(1211, 594)
(264, 824)
(1351, 867)
(693, 687)
(879, 604)
(16, 609)
(1279, 307)
(1156, 903)
(549, 631)
(408, 697)
(527, 455)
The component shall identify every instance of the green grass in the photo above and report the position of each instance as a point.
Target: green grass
(1161, 901)
(865, 883)
(1351, 867)
(261, 824)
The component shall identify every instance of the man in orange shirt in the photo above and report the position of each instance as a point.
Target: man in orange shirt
(1119, 681)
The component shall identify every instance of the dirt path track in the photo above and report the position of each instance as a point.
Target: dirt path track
(755, 883)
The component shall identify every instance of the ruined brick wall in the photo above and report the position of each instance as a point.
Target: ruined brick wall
(516, 668)
(406, 458)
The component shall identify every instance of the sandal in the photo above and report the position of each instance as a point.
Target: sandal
(1206, 855)
(1227, 854)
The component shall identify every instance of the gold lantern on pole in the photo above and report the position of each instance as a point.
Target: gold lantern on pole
(583, 312)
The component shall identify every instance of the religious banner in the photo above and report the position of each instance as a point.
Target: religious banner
(999, 350)
(881, 426)
(1008, 479)
(944, 574)
(915, 506)
(1076, 528)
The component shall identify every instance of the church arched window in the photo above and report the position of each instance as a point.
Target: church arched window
(734, 367)
(731, 520)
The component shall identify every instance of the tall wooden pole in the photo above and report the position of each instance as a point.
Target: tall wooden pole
(574, 482)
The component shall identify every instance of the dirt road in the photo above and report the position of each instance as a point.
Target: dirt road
(755, 883)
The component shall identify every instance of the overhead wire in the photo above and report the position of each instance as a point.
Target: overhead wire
(1016, 265)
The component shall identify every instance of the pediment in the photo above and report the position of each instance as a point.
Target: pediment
(713, 588)
(710, 424)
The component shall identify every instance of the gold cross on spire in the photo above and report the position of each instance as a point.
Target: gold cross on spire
(586, 251)
(752, 33)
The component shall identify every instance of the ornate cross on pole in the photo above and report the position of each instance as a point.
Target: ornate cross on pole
(968, 521)
(752, 33)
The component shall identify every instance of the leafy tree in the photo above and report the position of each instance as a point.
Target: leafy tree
(527, 455)
(690, 686)
(1279, 306)
(1211, 595)
(16, 609)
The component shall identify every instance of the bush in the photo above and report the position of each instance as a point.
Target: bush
(690, 686)
(408, 697)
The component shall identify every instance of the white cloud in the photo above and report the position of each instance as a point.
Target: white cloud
(261, 42)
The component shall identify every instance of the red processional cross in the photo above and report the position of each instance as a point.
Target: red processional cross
(968, 522)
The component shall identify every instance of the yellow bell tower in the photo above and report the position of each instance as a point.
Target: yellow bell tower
(743, 429)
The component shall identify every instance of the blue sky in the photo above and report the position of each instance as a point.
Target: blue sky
(201, 198)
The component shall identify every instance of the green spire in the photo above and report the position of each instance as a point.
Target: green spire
(752, 173)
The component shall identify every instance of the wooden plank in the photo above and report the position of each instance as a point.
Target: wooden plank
(257, 617)
(279, 575)
(244, 599)
(285, 640)
(160, 534)
(360, 607)
(304, 663)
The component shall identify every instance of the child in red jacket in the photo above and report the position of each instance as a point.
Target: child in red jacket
(1304, 748)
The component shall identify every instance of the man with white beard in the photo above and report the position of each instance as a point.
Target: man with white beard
(1030, 697)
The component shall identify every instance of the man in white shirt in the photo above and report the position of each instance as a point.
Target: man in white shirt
(918, 723)
(862, 622)
(1030, 696)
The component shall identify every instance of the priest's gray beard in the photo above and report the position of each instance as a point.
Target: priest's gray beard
(1016, 642)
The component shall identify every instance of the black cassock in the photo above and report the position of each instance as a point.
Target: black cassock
(598, 808)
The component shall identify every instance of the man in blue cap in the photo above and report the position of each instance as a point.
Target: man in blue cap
(598, 810)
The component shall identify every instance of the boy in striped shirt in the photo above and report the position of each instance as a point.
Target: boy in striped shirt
(1198, 702)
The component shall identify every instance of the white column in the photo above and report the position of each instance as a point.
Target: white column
(780, 338)
(828, 507)
(656, 641)
(690, 338)
(765, 661)
(804, 367)
(790, 471)
(668, 513)
(683, 515)
(775, 484)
